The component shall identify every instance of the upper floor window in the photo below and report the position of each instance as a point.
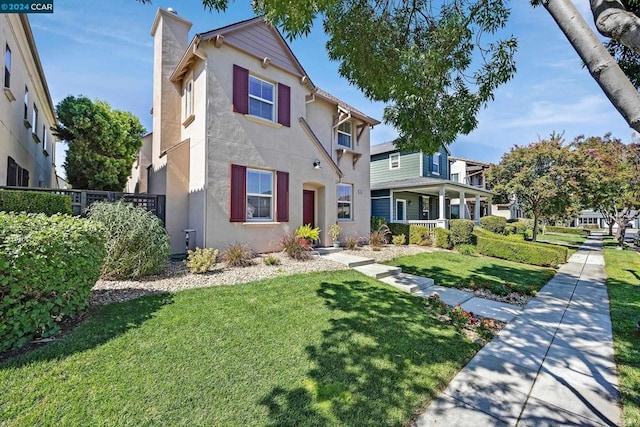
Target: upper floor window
(344, 134)
(455, 177)
(188, 99)
(394, 161)
(7, 67)
(257, 97)
(26, 104)
(259, 195)
(436, 164)
(345, 202)
(34, 119)
(44, 138)
(261, 98)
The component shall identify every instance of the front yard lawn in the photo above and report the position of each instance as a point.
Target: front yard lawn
(460, 271)
(322, 349)
(563, 239)
(623, 276)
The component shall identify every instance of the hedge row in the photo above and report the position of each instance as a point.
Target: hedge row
(566, 230)
(495, 224)
(398, 228)
(34, 202)
(48, 265)
(494, 245)
(461, 232)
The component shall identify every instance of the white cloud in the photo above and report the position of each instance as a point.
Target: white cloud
(585, 110)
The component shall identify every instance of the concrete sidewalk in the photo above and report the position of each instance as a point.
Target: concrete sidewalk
(552, 365)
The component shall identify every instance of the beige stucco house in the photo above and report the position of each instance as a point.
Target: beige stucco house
(27, 145)
(244, 146)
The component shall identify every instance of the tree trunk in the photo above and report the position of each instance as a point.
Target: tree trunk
(603, 68)
(610, 224)
(535, 228)
(614, 21)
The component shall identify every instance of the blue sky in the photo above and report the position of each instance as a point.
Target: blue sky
(104, 50)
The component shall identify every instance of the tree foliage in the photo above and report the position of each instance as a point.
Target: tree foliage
(609, 179)
(540, 176)
(103, 143)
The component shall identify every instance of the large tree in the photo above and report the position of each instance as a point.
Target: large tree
(540, 176)
(428, 61)
(103, 143)
(609, 179)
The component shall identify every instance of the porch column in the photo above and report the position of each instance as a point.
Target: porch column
(391, 206)
(463, 206)
(489, 203)
(441, 204)
(476, 213)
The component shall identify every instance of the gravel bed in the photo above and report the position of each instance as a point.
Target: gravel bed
(389, 252)
(512, 298)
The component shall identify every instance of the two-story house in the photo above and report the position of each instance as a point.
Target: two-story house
(244, 146)
(27, 145)
(416, 187)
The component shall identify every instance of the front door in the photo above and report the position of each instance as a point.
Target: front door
(401, 210)
(308, 207)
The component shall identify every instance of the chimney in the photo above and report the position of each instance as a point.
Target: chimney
(170, 35)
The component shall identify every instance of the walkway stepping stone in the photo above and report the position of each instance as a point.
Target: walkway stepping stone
(492, 309)
(349, 260)
(377, 271)
(448, 295)
(408, 282)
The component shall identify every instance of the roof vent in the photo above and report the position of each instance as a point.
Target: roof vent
(172, 10)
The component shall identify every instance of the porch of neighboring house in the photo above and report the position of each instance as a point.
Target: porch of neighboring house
(428, 202)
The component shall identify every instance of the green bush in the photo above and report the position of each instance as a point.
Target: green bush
(377, 222)
(443, 238)
(461, 232)
(566, 230)
(397, 229)
(466, 249)
(48, 265)
(524, 252)
(351, 243)
(510, 229)
(495, 224)
(34, 202)
(296, 247)
(380, 236)
(420, 235)
(271, 260)
(137, 244)
(400, 239)
(201, 260)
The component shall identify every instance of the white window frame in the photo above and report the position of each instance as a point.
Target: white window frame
(34, 118)
(7, 66)
(44, 137)
(339, 202)
(404, 209)
(263, 100)
(346, 133)
(188, 99)
(456, 176)
(392, 161)
(26, 103)
(435, 164)
(249, 214)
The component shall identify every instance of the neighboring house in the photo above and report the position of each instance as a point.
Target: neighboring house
(591, 218)
(138, 181)
(415, 187)
(27, 145)
(244, 146)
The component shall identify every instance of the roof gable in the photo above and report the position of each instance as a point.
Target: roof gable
(257, 38)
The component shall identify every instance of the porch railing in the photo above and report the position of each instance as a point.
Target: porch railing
(82, 199)
(430, 224)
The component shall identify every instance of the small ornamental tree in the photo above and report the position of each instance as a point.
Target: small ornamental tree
(540, 175)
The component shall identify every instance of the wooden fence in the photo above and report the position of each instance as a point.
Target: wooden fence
(82, 199)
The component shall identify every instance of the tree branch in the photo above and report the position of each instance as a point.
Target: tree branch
(614, 21)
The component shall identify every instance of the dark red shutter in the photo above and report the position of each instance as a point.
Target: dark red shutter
(240, 90)
(282, 196)
(284, 105)
(238, 193)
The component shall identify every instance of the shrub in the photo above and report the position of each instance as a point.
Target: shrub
(201, 260)
(487, 329)
(137, 244)
(443, 238)
(397, 229)
(48, 266)
(379, 237)
(34, 202)
(461, 231)
(296, 247)
(350, 243)
(495, 224)
(238, 255)
(566, 230)
(420, 235)
(271, 260)
(400, 239)
(467, 249)
(524, 252)
(377, 222)
(510, 229)
(334, 232)
(307, 232)
(460, 317)
(436, 304)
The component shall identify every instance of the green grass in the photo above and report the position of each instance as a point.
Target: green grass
(325, 349)
(563, 239)
(457, 270)
(623, 277)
